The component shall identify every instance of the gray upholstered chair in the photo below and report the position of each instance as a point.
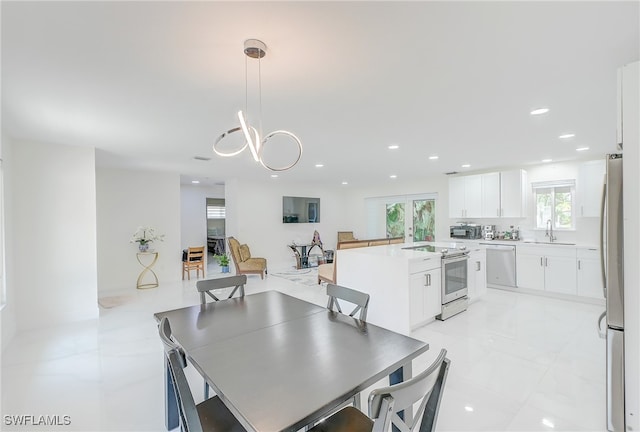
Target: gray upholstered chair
(360, 299)
(385, 404)
(205, 287)
(210, 415)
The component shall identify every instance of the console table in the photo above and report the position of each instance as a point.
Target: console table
(150, 259)
(302, 255)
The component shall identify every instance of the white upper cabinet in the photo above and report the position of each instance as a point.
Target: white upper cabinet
(489, 195)
(590, 184)
(465, 197)
(513, 193)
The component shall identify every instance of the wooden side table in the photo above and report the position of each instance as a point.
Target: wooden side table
(142, 258)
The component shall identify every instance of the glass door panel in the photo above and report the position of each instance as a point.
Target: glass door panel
(424, 220)
(395, 225)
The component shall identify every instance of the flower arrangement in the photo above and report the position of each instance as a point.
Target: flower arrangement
(145, 235)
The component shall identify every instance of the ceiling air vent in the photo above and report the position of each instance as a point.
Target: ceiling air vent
(451, 173)
(202, 158)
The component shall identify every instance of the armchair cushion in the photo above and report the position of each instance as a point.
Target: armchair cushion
(245, 253)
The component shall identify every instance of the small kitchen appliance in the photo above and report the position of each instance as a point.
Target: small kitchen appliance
(488, 232)
(465, 231)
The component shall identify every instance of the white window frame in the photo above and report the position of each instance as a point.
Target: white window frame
(540, 224)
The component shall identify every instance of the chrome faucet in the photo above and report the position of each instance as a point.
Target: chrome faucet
(549, 232)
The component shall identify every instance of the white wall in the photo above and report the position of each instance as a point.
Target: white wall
(8, 320)
(193, 213)
(53, 216)
(254, 217)
(357, 213)
(126, 200)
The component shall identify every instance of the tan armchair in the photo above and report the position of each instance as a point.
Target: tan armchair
(244, 262)
(345, 236)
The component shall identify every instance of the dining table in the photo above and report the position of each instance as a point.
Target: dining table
(280, 363)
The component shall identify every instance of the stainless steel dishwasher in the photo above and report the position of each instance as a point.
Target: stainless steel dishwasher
(501, 264)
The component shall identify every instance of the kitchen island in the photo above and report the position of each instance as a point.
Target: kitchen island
(404, 284)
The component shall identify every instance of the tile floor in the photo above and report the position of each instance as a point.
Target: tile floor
(519, 363)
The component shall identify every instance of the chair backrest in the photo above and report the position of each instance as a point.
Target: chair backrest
(195, 254)
(164, 329)
(360, 299)
(234, 247)
(187, 410)
(345, 236)
(205, 287)
(386, 402)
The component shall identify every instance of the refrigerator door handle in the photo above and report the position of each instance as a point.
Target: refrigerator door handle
(602, 334)
(602, 251)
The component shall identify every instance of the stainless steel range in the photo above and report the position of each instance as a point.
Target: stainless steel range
(454, 278)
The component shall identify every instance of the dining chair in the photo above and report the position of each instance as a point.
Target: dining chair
(360, 299)
(210, 415)
(205, 287)
(386, 403)
(194, 260)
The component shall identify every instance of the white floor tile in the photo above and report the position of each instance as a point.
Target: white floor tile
(518, 363)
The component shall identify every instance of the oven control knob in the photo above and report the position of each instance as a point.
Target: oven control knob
(463, 248)
(444, 251)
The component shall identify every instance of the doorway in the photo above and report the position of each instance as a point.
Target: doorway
(408, 216)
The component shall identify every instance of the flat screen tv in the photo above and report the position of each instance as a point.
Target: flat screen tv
(300, 210)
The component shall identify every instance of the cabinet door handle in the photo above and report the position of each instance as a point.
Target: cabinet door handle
(579, 265)
(427, 279)
(541, 262)
(546, 262)
(477, 265)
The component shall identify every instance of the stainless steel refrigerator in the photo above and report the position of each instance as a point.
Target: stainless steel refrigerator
(611, 250)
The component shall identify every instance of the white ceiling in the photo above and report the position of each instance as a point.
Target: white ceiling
(152, 84)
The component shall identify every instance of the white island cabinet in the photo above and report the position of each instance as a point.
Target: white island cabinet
(404, 285)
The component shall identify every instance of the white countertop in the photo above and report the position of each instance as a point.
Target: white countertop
(527, 243)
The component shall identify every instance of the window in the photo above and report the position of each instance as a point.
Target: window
(215, 212)
(554, 201)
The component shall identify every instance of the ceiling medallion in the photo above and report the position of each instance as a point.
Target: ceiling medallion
(256, 49)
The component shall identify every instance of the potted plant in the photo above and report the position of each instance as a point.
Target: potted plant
(223, 260)
(144, 236)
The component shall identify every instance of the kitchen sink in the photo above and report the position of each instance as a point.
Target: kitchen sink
(549, 243)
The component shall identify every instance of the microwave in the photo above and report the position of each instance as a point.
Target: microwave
(470, 232)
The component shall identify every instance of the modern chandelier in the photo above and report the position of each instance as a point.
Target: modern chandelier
(256, 49)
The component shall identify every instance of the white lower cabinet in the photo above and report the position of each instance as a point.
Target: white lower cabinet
(551, 268)
(589, 274)
(477, 273)
(424, 296)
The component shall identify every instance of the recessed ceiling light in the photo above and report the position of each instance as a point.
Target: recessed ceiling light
(468, 408)
(547, 160)
(582, 148)
(566, 136)
(466, 166)
(433, 157)
(393, 176)
(393, 147)
(319, 165)
(345, 183)
(274, 175)
(195, 181)
(539, 111)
